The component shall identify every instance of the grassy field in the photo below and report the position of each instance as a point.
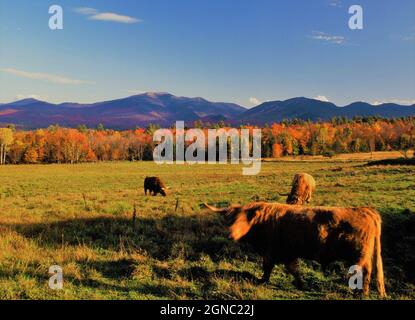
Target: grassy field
(80, 217)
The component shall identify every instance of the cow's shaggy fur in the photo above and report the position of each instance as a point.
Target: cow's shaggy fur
(302, 189)
(282, 234)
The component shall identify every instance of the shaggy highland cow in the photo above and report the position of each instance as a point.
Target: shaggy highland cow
(282, 234)
(302, 189)
(155, 186)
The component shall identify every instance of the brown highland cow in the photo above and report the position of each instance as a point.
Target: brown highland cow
(302, 189)
(155, 186)
(282, 234)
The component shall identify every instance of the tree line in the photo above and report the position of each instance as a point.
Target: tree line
(288, 138)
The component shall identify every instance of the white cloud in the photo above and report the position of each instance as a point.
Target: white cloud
(254, 101)
(405, 102)
(94, 14)
(113, 17)
(322, 98)
(335, 3)
(410, 37)
(322, 36)
(86, 11)
(43, 77)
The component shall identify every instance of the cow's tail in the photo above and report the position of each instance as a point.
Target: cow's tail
(378, 257)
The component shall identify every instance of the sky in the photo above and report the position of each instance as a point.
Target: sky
(241, 51)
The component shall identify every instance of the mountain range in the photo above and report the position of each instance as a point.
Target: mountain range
(304, 108)
(165, 109)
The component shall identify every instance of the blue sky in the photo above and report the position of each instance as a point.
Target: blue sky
(242, 51)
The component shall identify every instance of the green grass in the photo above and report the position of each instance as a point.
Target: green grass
(44, 221)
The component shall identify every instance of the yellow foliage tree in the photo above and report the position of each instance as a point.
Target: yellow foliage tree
(6, 139)
(31, 156)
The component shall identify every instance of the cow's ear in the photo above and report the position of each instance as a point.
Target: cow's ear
(241, 226)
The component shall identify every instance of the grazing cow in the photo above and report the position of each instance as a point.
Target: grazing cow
(283, 233)
(302, 189)
(155, 186)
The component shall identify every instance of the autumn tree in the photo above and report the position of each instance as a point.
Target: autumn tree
(6, 139)
(277, 150)
(31, 156)
(75, 146)
(406, 143)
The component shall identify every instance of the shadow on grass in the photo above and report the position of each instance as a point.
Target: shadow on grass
(163, 238)
(201, 274)
(398, 242)
(112, 269)
(393, 162)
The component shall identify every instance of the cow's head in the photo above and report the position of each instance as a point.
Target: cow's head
(239, 220)
(163, 191)
(293, 198)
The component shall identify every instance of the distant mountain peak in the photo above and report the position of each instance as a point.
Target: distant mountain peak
(27, 100)
(306, 99)
(24, 102)
(300, 99)
(157, 94)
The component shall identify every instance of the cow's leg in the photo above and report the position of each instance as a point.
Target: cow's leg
(365, 263)
(366, 269)
(145, 191)
(367, 276)
(293, 268)
(268, 265)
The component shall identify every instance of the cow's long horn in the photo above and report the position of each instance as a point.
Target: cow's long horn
(283, 194)
(214, 209)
